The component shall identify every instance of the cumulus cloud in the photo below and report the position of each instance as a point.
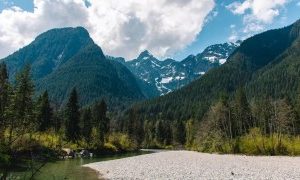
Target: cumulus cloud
(257, 13)
(234, 35)
(121, 28)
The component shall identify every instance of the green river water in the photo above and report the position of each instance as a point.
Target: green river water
(71, 169)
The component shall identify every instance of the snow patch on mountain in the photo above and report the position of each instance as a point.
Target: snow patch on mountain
(166, 80)
(169, 75)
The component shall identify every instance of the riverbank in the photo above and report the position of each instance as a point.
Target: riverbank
(194, 165)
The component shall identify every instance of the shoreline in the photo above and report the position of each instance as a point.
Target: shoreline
(195, 165)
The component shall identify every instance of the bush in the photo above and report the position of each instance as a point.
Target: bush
(255, 143)
(110, 147)
(122, 142)
(212, 142)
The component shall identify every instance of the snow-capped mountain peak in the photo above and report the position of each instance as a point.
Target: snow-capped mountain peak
(168, 75)
(218, 53)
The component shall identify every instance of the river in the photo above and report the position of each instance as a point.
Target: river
(71, 168)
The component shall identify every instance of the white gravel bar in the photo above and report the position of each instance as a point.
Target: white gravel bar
(194, 165)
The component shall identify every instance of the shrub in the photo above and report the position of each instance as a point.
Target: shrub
(121, 142)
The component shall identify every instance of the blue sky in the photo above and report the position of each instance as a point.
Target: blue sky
(220, 22)
(218, 29)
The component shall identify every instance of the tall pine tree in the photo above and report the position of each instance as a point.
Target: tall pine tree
(72, 129)
(135, 127)
(101, 120)
(241, 113)
(87, 124)
(23, 106)
(44, 112)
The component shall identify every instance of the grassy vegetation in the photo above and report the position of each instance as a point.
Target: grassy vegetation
(252, 143)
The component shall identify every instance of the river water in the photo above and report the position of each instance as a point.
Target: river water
(71, 168)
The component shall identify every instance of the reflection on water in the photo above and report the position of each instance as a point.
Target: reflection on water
(72, 168)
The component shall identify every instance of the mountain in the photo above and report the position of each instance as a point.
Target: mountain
(49, 51)
(267, 64)
(62, 59)
(169, 75)
(149, 90)
(215, 54)
(165, 75)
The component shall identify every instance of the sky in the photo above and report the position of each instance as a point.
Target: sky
(167, 28)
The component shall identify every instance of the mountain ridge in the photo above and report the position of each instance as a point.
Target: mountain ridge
(168, 75)
(66, 58)
(244, 66)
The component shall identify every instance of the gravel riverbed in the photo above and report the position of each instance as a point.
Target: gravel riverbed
(194, 165)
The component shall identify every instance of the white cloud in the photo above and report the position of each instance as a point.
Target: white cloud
(257, 13)
(121, 28)
(234, 35)
(233, 38)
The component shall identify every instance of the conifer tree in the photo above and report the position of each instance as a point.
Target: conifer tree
(241, 112)
(135, 127)
(179, 132)
(22, 106)
(72, 129)
(149, 133)
(87, 124)
(101, 120)
(45, 111)
(159, 132)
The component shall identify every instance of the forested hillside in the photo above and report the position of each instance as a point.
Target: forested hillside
(62, 59)
(94, 77)
(48, 51)
(256, 55)
(248, 105)
(281, 77)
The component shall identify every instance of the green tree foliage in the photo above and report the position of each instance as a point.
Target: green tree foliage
(159, 132)
(4, 95)
(44, 113)
(101, 121)
(134, 127)
(72, 129)
(241, 113)
(262, 112)
(87, 124)
(191, 129)
(149, 134)
(179, 134)
(20, 114)
(284, 118)
(19, 121)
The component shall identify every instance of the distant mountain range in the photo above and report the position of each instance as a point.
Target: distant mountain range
(66, 58)
(266, 65)
(168, 75)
